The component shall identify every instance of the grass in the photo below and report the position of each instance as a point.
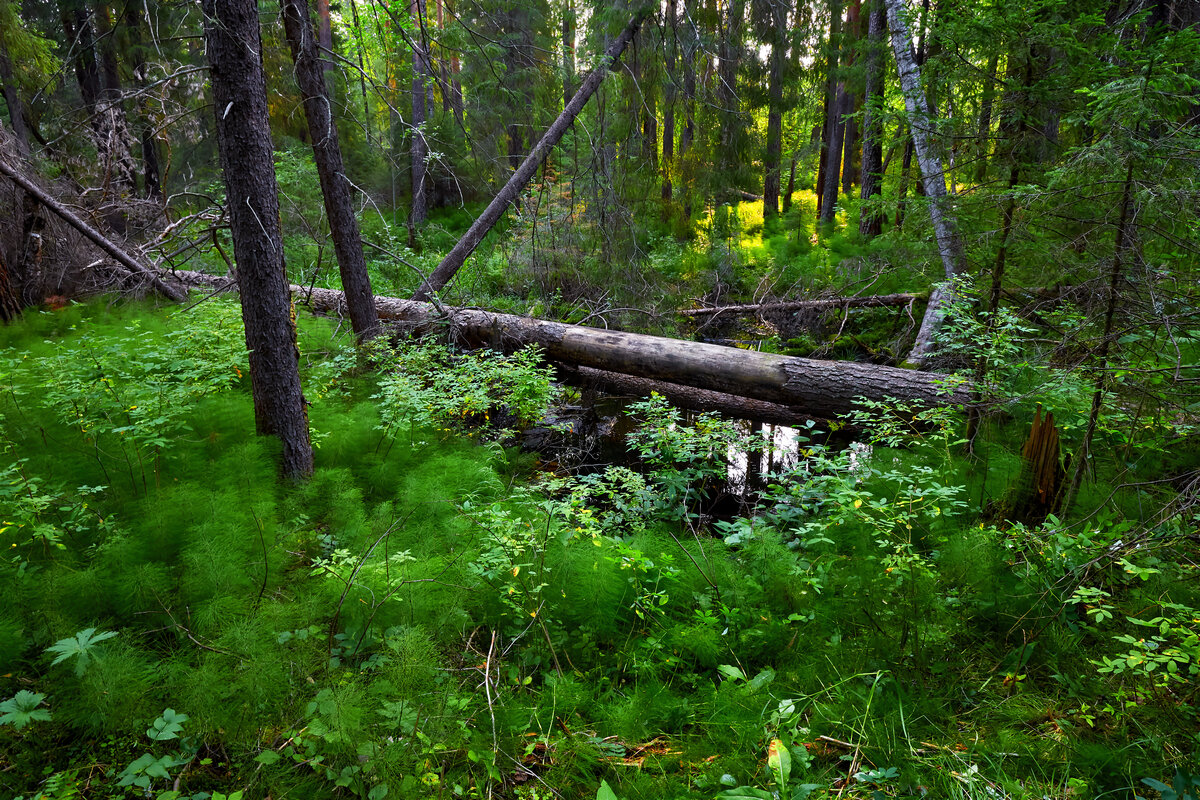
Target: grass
(425, 616)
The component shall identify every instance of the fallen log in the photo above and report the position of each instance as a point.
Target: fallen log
(122, 258)
(814, 387)
(867, 301)
(687, 397)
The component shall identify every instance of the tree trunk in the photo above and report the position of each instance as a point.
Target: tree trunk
(833, 153)
(870, 223)
(324, 34)
(16, 112)
(791, 187)
(491, 215)
(151, 174)
(835, 92)
(985, 117)
(774, 151)
(568, 46)
(110, 112)
(419, 150)
(944, 227)
(829, 108)
(689, 122)
(819, 388)
(849, 140)
(239, 92)
(669, 84)
(729, 52)
(327, 153)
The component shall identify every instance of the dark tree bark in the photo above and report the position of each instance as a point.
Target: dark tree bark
(419, 148)
(774, 151)
(151, 174)
(509, 192)
(853, 32)
(688, 135)
(234, 44)
(110, 110)
(849, 142)
(985, 117)
(12, 98)
(929, 157)
(518, 60)
(870, 223)
(833, 152)
(729, 53)
(324, 33)
(791, 187)
(831, 155)
(327, 153)
(670, 82)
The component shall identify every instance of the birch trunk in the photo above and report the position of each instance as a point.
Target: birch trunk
(950, 246)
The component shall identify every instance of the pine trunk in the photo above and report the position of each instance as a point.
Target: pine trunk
(239, 92)
(774, 151)
(419, 149)
(327, 153)
(870, 223)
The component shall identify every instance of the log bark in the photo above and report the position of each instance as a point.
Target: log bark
(491, 215)
(327, 153)
(868, 301)
(944, 227)
(687, 397)
(817, 388)
(122, 258)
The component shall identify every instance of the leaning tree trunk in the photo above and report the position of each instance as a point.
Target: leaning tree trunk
(327, 153)
(870, 222)
(505, 197)
(239, 91)
(830, 110)
(153, 277)
(944, 228)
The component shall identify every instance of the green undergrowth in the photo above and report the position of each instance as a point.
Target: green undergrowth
(424, 618)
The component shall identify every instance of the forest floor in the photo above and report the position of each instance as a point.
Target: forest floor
(441, 613)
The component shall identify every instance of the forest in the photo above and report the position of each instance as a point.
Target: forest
(532, 399)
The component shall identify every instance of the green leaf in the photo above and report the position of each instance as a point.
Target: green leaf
(780, 762)
(267, 757)
(605, 792)
(745, 793)
(78, 647)
(22, 709)
(730, 671)
(167, 727)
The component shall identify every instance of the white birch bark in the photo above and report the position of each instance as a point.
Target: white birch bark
(929, 158)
